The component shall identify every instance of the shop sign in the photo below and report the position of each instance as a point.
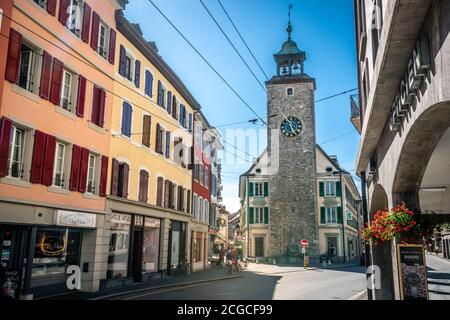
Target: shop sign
(412, 272)
(152, 223)
(75, 219)
(50, 243)
(120, 218)
(412, 81)
(349, 216)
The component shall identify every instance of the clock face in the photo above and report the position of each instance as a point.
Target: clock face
(291, 127)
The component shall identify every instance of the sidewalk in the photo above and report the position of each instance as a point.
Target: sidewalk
(196, 277)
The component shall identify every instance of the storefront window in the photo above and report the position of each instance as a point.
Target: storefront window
(197, 255)
(119, 246)
(150, 259)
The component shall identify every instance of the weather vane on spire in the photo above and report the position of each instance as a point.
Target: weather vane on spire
(289, 29)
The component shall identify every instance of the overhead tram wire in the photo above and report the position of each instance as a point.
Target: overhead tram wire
(207, 62)
(335, 95)
(243, 40)
(232, 45)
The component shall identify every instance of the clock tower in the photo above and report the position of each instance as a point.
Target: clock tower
(292, 146)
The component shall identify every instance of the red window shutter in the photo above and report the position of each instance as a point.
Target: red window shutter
(83, 170)
(37, 161)
(159, 192)
(55, 94)
(95, 30)
(44, 91)
(115, 177)
(126, 174)
(49, 160)
(103, 176)
(63, 11)
(112, 47)
(101, 109)
(51, 7)
(95, 105)
(75, 168)
(86, 23)
(81, 99)
(13, 60)
(5, 136)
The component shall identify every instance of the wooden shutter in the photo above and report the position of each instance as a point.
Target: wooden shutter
(112, 46)
(126, 176)
(340, 215)
(5, 136)
(143, 186)
(250, 189)
(266, 215)
(179, 197)
(81, 99)
(338, 189)
(167, 144)
(166, 193)
(252, 216)
(84, 163)
(86, 23)
(188, 201)
(115, 177)
(101, 113)
(95, 30)
(95, 105)
(37, 161)
(146, 130)
(159, 138)
(13, 60)
(123, 61)
(75, 168)
(57, 72)
(321, 189)
(266, 189)
(51, 7)
(103, 176)
(63, 11)
(159, 191)
(49, 160)
(174, 107)
(171, 195)
(126, 119)
(160, 97)
(323, 219)
(44, 91)
(169, 102)
(149, 83)
(137, 73)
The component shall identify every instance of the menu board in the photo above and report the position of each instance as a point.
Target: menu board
(412, 272)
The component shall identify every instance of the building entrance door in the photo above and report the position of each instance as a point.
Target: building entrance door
(259, 247)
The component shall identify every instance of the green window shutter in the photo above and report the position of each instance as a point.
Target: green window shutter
(252, 216)
(266, 215)
(322, 215)
(338, 189)
(266, 189)
(339, 215)
(250, 189)
(322, 189)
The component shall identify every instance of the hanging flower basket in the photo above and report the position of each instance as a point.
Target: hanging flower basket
(400, 223)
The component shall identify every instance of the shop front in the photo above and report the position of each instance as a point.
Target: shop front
(177, 246)
(199, 250)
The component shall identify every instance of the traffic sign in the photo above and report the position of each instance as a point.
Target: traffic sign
(304, 243)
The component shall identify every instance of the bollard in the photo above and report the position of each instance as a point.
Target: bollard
(306, 262)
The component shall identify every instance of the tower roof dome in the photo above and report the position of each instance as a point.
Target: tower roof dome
(289, 47)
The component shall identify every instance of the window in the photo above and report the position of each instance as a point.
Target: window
(128, 67)
(202, 173)
(205, 211)
(194, 207)
(74, 21)
(91, 174)
(174, 192)
(40, 3)
(206, 177)
(199, 209)
(259, 189)
(163, 94)
(27, 67)
(198, 134)
(16, 153)
(160, 134)
(259, 215)
(290, 92)
(58, 178)
(331, 214)
(98, 106)
(102, 40)
(330, 189)
(66, 90)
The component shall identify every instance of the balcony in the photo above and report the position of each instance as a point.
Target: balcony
(355, 112)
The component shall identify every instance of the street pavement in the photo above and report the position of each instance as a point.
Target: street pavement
(265, 282)
(438, 278)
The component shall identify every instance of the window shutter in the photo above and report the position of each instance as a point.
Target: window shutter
(86, 23)
(190, 122)
(83, 170)
(126, 176)
(168, 144)
(179, 198)
(338, 189)
(44, 91)
(148, 83)
(158, 137)
(103, 176)
(55, 92)
(81, 99)
(126, 119)
(323, 219)
(340, 217)
(250, 189)
(49, 160)
(145, 192)
(169, 102)
(321, 189)
(252, 216)
(174, 107)
(188, 200)
(137, 73)
(143, 186)
(5, 136)
(166, 193)
(146, 130)
(75, 168)
(160, 97)
(96, 96)
(63, 11)
(95, 30)
(159, 191)
(37, 161)
(112, 46)
(13, 60)
(115, 177)
(123, 61)
(51, 7)
(266, 215)
(266, 189)
(171, 196)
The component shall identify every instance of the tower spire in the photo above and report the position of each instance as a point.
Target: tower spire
(289, 28)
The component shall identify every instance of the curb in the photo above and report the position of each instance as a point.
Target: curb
(173, 285)
(358, 295)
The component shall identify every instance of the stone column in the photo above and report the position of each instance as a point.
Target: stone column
(164, 245)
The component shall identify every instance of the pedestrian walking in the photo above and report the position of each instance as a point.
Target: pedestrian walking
(221, 257)
(229, 263)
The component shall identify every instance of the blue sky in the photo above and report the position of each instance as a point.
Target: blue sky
(324, 29)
